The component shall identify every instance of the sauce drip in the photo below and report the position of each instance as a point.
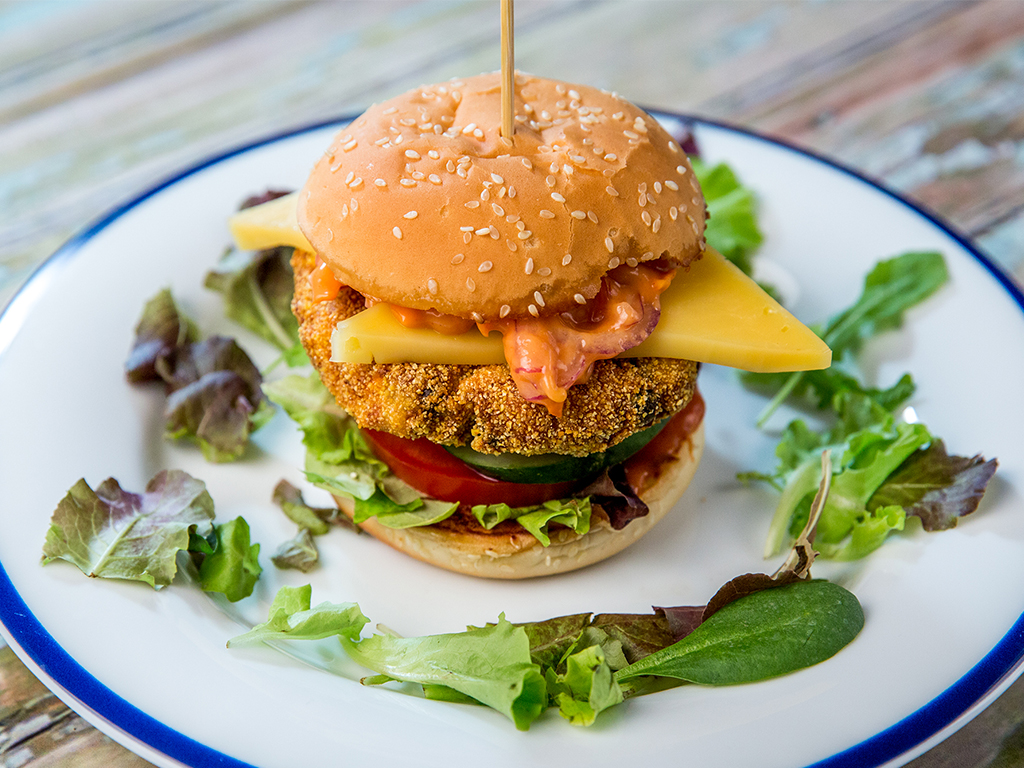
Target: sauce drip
(324, 283)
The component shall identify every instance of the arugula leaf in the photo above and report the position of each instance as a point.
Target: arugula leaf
(491, 665)
(115, 534)
(732, 227)
(233, 567)
(291, 618)
(257, 289)
(891, 288)
(762, 635)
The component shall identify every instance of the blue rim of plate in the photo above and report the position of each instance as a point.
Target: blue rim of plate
(32, 639)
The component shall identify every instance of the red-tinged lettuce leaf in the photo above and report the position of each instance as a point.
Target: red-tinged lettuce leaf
(640, 634)
(299, 553)
(116, 534)
(936, 487)
(161, 330)
(257, 287)
(214, 397)
(233, 567)
(615, 497)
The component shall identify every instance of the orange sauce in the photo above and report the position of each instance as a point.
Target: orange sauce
(450, 325)
(324, 283)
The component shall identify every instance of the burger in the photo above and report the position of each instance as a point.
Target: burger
(516, 323)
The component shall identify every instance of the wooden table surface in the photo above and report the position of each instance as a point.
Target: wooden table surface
(99, 100)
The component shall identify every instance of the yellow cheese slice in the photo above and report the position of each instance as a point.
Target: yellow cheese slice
(268, 225)
(712, 313)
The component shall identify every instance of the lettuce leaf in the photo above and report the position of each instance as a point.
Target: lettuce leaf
(491, 665)
(257, 288)
(291, 618)
(115, 534)
(213, 388)
(232, 568)
(732, 227)
(299, 553)
(572, 513)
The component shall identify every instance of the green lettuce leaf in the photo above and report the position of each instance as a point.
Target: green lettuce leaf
(232, 568)
(257, 289)
(115, 534)
(732, 227)
(491, 665)
(291, 618)
(315, 520)
(572, 513)
(586, 688)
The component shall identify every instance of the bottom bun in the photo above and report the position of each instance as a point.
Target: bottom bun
(516, 554)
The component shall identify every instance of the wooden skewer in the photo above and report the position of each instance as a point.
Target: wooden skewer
(508, 71)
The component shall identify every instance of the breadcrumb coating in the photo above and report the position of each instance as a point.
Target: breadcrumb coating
(481, 405)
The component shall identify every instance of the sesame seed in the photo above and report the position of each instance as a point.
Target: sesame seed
(505, 309)
(390, 111)
(407, 121)
(520, 225)
(466, 237)
(529, 166)
(566, 259)
(512, 218)
(482, 231)
(656, 225)
(351, 145)
(412, 154)
(351, 175)
(546, 214)
(468, 129)
(612, 191)
(380, 182)
(648, 256)
(356, 182)
(611, 157)
(505, 141)
(631, 262)
(407, 182)
(672, 185)
(557, 197)
(434, 154)
(579, 298)
(354, 203)
(512, 246)
(609, 244)
(344, 211)
(533, 310)
(498, 210)
(478, 134)
(485, 266)
(470, 284)
(646, 217)
(538, 298)
(432, 285)
(544, 272)
(592, 216)
(501, 192)
(642, 200)
(335, 168)
(497, 179)
(617, 116)
(673, 213)
(550, 181)
(578, 159)
(613, 262)
(397, 233)
(450, 166)
(418, 175)
(494, 232)
(458, 258)
(681, 170)
(434, 178)
(673, 146)
(411, 215)
(473, 204)
(477, 317)
(524, 235)
(573, 94)
(657, 187)
(399, 139)
(568, 170)
(511, 191)
(578, 214)
(529, 266)
(485, 195)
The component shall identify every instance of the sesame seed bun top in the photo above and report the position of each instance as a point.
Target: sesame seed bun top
(421, 203)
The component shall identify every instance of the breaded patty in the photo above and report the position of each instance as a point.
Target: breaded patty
(481, 405)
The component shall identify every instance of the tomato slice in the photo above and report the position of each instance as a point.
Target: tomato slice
(430, 469)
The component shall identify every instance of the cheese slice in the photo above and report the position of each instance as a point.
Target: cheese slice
(712, 313)
(269, 225)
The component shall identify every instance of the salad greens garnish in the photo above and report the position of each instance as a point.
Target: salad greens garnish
(116, 534)
(884, 468)
(257, 288)
(291, 618)
(213, 388)
(232, 567)
(732, 227)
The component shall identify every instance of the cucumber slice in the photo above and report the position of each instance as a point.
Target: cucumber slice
(552, 467)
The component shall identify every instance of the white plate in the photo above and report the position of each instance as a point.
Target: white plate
(150, 668)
